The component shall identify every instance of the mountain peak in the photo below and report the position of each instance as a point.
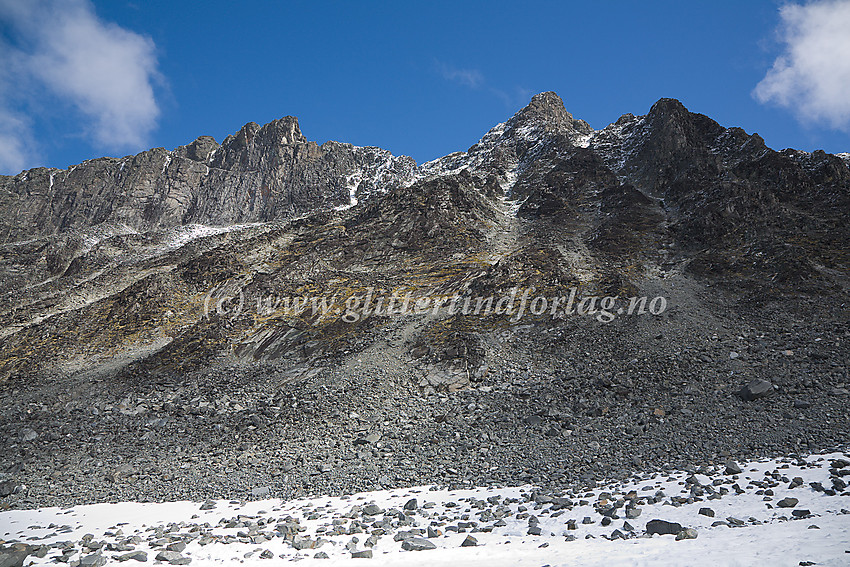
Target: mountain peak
(546, 111)
(546, 99)
(285, 130)
(667, 106)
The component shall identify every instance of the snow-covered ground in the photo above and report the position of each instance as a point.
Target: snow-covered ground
(748, 527)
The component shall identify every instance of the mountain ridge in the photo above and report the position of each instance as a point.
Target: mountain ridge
(155, 338)
(670, 192)
(273, 172)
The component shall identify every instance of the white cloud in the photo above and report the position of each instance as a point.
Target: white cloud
(474, 79)
(471, 78)
(16, 145)
(62, 49)
(517, 96)
(812, 76)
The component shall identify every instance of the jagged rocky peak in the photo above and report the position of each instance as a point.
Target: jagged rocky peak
(200, 150)
(283, 131)
(546, 114)
(260, 173)
(254, 143)
(669, 118)
(668, 107)
(508, 148)
(670, 139)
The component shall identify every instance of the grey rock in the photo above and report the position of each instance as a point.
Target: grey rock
(11, 557)
(733, 468)
(687, 533)
(755, 389)
(260, 173)
(787, 502)
(469, 542)
(300, 542)
(417, 544)
(28, 435)
(372, 510)
(9, 487)
(140, 556)
(633, 513)
(122, 471)
(364, 554)
(93, 560)
(373, 437)
(706, 512)
(260, 492)
(722, 190)
(544, 118)
(173, 557)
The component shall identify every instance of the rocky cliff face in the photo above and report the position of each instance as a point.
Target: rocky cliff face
(122, 255)
(261, 173)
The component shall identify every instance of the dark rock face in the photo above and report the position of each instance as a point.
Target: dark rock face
(739, 208)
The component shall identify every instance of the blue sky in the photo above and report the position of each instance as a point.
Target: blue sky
(82, 79)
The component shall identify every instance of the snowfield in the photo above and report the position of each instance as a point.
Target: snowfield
(749, 518)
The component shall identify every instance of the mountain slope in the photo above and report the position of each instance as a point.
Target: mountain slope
(438, 304)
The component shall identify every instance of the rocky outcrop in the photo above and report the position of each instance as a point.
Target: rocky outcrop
(261, 173)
